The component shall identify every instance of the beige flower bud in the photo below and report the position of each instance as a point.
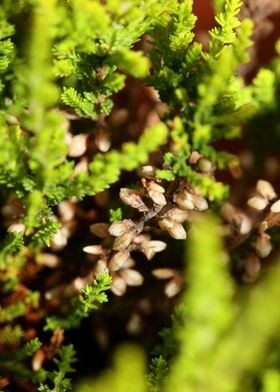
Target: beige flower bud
(177, 215)
(148, 171)
(205, 165)
(258, 203)
(78, 145)
(275, 207)
(99, 229)
(173, 287)
(118, 286)
(150, 248)
(118, 228)
(184, 200)
(165, 223)
(66, 210)
(49, 260)
(177, 231)
(118, 260)
(93, 249)
(155, 192)
(263, 245)
(132, 277)
(124, 240)
(132, 198)
(195, 156)
(163, 273)
(265, 189)
(101, 267)
(16, 228)
(199, 202)
(103, 142)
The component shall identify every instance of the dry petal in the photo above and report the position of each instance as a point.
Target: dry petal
(124, 240)
(132, 198)
(66, 210)
(205, 165)
(118, 260)
(118, 228)
(165, 223)
(132, 277)
(93, 249)
(103, 142)
(253, 266)
(177, 231)
(99, 229)
(158, 198)
(152, 247)
(184, 200)
(265, 189)
(78, 145)
(275, 207)
(173, 287)
(101, 267)
(258, 203)
(263, 245)
(148, 171)
(163, 273)
(118, 286)
(199, 202)
(16, 228)
(49, 260)
(195, 156)
(245, 224)
(177, 215)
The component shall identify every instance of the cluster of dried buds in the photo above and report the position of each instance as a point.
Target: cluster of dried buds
(164, 208)
(264, 214)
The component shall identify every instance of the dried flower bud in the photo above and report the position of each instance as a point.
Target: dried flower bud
(118, 228)
(132, 198)
(148, 171)
(205, 165)
(78, 145)
(263, 245)
(16, 228)
(132, 277)
(118, 260)
(118, 286)
(252, 266)
(265, 189)
(38, 359)
(173, 287)
(199, 202)
(184, 200)
(134, 325)
(101, 267)
(195, 156)
(155, 192)
(103, 142)
(49, 260)
(258, 203)
(150, 248)
(124, 240)
(163, 273)
(177, 215)
(166, 223)
(94, 249)
(177, 231)
(99, 229)
(66, 210)
(245, 224)
(275, 208)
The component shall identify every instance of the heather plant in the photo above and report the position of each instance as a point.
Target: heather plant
(118, 132)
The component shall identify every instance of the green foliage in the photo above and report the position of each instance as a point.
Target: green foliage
(88, 300)
(128, 369)
(56, 381)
